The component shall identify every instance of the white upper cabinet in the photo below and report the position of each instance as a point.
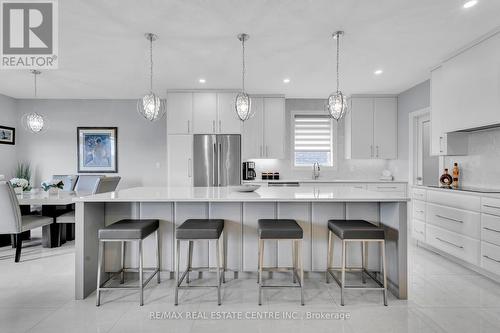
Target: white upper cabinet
(253, 131)
(371, 128)
(385, 128)
(179, 113)
(204, 113)
(274, 128)
(228, 121)
(264, 133)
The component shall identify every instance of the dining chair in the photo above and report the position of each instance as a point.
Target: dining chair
(12, 222)
(68, 180)
(103, 185)
(88, 183)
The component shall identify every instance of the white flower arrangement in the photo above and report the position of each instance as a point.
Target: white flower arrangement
(20, 182)
(48, 184)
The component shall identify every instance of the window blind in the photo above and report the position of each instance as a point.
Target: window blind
(312, 139)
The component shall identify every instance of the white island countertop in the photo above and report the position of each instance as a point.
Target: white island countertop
(228, 194)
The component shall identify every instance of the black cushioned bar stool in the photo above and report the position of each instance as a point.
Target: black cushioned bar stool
(128, 231)
(199, 229)
(356, 231)
(280, 229)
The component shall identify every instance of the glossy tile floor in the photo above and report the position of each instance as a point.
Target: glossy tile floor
(36, 295)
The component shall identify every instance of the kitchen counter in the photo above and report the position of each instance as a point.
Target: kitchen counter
(228, 194)
(459, 191)
(324, 180)
(310, 206)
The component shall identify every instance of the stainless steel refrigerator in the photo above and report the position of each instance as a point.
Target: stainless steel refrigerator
(216, 159)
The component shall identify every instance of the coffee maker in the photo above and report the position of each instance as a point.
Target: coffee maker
(249, 171)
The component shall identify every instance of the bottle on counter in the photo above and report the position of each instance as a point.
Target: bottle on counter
(456, 174)
(446, 180)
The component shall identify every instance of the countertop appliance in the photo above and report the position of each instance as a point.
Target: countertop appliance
(216, 160)
(249, 171)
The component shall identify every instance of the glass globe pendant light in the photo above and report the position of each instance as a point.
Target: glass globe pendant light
(151, 106)
(243, 103)
(34, 121)
(337, 101)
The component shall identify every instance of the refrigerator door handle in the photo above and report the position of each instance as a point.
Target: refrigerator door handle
(219, 163)
(213, 165)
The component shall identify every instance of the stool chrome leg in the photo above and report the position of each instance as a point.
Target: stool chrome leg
(217, 249)
(99, 267)
(258, 263)
(177, 259)
(363, 261)
(382, 244)
(343, 273)
(261, 262)
(299, 246)
(224, 258)
(122, 275)
(294, 259)
(141, 275)
(329, 256)
(158, 255)
(189, 260)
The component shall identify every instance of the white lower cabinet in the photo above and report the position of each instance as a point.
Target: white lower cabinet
(418, 230)
(490, 257)
(460, 246)
(490, 228)
(464, 222)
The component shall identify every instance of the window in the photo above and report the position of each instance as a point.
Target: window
(312, 140)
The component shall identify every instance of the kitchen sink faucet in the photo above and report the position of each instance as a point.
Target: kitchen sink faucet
(316, 170)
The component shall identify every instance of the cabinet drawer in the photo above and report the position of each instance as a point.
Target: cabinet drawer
(457, 220)
(490, 257)
(355, 186)
(387, 187)
(419, 194)
(460, 246)
(490, 206)
(461, 201)
(419, 230)
(490, 228)
(418, 210)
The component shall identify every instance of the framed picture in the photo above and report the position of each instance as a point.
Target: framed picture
(7, 135)
(97, 149)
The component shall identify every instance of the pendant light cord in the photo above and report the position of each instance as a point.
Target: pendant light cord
(243, 67)
(150, 63)
(338, 52)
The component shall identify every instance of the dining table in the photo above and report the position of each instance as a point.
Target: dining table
(52, 205)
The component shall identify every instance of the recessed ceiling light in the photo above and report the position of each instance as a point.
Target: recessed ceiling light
(378, 72)
(202, 81)
(470, 3)
(286, 80)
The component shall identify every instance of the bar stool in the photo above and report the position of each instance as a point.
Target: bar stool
(280, 229)
(128, 231)
(356, 231)
(199, 229)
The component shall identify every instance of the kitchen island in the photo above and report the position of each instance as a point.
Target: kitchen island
(310, 206)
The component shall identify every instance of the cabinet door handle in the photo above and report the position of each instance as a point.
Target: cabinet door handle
(267, 151)
(419, 232)
(213, 126)
(489, 229)
(188, 127)
(420, 211)
(190, 170)
(490, 258)
(371, 150)
(377, 151)
(220, 126)
(449, 218)
(450, 243)
(491, 206)
(260, 150)
(440, 144)
(383, 187)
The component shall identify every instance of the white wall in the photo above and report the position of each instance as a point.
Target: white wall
(141, 144)
(8, 117)
(345, 169)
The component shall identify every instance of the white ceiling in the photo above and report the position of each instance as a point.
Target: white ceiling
(103, 53)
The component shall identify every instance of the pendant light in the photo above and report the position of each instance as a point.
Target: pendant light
(151, 106)
(337, 101)
(243, 103)
(34, 121)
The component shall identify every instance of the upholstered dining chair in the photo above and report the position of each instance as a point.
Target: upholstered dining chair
(88, 183)
(12, 222)
(103, 185)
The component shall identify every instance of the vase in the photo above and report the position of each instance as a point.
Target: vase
(18, 190)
